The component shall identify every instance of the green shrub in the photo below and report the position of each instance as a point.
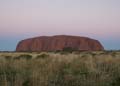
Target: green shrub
(42, 56)
(24, 56)
(64, 53)
(69, 49)
(57, 51)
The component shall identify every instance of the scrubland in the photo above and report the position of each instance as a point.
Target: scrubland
(98, 68)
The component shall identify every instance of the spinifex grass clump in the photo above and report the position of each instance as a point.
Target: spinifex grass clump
(13, 73)
(51, 69)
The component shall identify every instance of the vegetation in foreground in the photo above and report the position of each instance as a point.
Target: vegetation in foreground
(60, 69)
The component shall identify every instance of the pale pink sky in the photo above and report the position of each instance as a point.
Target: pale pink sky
(99, 19)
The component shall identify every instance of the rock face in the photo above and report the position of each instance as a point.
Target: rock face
(59, 42)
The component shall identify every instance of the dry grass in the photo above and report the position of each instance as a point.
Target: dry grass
(50, 69)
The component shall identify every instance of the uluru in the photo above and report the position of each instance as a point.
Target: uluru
(59, 42)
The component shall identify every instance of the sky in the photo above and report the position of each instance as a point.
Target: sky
(97, 19)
